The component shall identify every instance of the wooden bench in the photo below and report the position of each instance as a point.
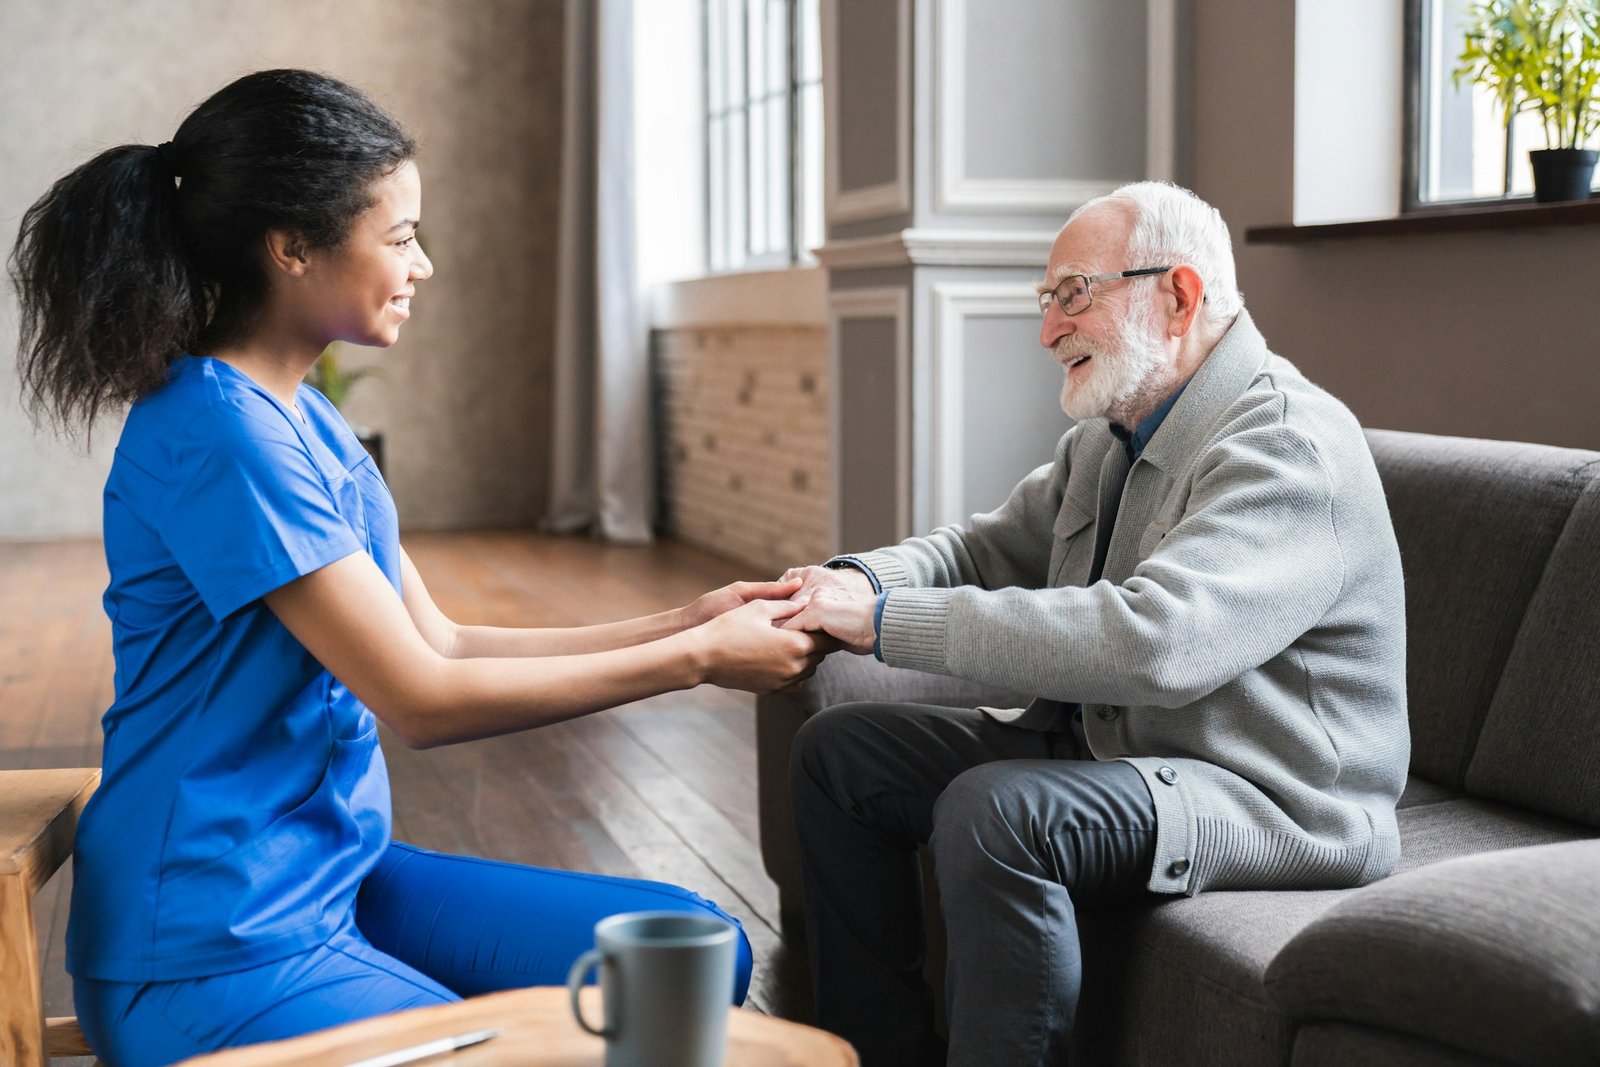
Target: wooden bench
(38, 818)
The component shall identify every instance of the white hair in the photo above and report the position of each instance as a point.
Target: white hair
(1172, 225)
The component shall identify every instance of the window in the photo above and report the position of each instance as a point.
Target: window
(763, 133)
(1459, 149)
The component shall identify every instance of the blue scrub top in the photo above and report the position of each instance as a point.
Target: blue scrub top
(244, 795)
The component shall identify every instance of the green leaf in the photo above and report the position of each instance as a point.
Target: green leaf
(333, 381)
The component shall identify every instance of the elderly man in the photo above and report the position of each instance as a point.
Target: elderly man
(1204, 591)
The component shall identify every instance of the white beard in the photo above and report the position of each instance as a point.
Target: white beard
(1114, 377)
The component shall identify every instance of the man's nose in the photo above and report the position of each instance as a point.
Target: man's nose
(1056, 325)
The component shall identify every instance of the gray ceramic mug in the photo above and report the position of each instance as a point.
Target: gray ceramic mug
(666, 981)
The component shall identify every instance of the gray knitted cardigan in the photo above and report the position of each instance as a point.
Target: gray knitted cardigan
(1245, 647)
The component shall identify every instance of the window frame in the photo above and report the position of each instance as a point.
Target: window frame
(728, 252)
(1414, 123)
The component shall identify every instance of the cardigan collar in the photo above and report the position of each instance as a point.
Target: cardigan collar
(1221, 379)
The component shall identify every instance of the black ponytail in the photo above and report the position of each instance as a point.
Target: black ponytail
(144, 253)
(108, 296)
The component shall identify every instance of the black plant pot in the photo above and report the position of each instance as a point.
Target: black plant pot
(1562, 173)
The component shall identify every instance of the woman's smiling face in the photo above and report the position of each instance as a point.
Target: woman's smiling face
(361, 291)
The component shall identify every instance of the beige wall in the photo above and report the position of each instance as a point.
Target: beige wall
(465, 394)
(1487, 335)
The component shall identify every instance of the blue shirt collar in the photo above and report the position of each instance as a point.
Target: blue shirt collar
(1134, 442)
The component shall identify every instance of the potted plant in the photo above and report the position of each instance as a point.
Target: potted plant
(334, 382)
(1542, 55)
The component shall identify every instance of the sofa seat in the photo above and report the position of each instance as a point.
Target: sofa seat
(1196, 964)
(1200, 963)
(1342, 1045)
(1449, 829)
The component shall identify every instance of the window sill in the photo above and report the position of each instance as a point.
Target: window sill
(1512, 216)
(796, 296)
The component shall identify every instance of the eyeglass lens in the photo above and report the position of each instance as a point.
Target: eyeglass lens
(1072, 293)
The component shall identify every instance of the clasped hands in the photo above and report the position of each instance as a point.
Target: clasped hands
(837, 603)
(770, 636)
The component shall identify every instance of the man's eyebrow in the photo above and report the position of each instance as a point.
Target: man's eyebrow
(404, 224)
(1066, 270)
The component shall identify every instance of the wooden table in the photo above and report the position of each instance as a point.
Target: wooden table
(536, 1029)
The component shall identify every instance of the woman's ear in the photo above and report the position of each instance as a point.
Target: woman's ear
(1187, 293)
(286, 251)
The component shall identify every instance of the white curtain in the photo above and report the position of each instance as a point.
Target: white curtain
(602, 460)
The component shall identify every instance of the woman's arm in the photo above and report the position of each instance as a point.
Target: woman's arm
(455, 641)
(347, 615)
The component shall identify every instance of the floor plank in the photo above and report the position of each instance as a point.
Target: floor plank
(663, 789)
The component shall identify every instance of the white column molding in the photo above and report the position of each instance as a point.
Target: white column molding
(953, 303)
(884, 302)
(886, 198)
(956, 192)
(940, 248)
(1161, 90)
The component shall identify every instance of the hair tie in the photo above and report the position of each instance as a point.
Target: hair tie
(169, 158)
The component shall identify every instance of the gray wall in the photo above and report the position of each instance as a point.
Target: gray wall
(1485, 334)
(465, 394)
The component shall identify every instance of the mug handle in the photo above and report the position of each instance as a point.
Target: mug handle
(580, 970)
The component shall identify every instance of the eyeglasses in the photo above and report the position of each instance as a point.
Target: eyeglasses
(1075, 292)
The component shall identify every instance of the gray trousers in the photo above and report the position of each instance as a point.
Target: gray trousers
(1022, 834)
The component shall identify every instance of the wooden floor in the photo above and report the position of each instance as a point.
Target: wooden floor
(662, 789)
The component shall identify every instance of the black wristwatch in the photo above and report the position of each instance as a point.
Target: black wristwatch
(839, 563)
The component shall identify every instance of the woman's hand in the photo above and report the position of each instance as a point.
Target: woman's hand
(721, 601)
(748, 648)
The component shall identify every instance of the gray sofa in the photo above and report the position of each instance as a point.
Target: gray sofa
(1484, 947)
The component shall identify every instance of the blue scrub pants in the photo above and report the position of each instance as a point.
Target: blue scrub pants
(428, 928)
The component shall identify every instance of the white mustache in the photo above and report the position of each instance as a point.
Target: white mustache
(1073, 347)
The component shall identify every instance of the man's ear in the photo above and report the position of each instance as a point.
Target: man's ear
(286, 251)
(1186, 292)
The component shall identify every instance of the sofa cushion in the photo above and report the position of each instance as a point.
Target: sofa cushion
(1185, 979)
(1341, 1045)
(1420, 791)
(1476, 521)
(1182, 982)
(1540, 745)
(1450, 829)
(1492, 954)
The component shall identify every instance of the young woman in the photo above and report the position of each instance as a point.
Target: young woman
(235, 880)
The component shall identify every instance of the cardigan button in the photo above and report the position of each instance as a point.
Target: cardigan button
(1168, 775)
(1109, 714)
(1179, 868)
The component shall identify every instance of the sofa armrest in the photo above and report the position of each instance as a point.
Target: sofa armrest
(1493, 954)
(841, 678)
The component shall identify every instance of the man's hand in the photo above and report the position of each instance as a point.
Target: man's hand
(719, 601)
(847, 616)
(849, 580)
